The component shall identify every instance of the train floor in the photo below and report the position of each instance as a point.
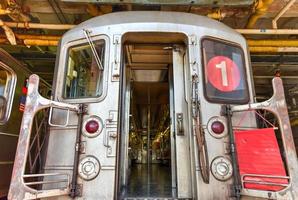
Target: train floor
(155, 182)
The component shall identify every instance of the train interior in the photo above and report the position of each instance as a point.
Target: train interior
(148, 165)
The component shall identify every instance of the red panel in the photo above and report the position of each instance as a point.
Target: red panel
(258, 153)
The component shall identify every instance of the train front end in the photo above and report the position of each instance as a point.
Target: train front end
(156, 105)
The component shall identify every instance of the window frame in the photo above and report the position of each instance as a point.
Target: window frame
(62, 75)
(10, 94)
(233, 44)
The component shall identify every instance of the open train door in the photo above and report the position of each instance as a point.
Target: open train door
(180, 123)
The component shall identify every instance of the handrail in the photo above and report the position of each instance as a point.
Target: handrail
(264, 182)
(67, 180)
(34, 102)
(277, 105)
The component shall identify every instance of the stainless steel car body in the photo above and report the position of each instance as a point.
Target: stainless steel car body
(62, 140)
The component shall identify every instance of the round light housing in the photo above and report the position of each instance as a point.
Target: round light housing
(221, 168)
(92, 126)
(89, 167)
(217, 127)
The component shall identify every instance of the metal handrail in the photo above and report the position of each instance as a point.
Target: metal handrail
(19, 189)
(277, 106)
(243, 181)
(67, 180)
(58, 125)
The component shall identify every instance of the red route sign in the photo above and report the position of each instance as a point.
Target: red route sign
(223, 73)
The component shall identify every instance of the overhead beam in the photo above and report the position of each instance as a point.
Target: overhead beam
(39, 26)
(273, 43)
(268, 31)
(256, 46)
(281, 12)
(168, 2)
(272, 49)
(69, 26)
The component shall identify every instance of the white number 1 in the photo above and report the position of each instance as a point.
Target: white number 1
(223, 67)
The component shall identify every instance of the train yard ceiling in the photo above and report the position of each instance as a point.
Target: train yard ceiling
(31, 30)
(172, 2)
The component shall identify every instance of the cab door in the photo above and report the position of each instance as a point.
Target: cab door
(180, 126)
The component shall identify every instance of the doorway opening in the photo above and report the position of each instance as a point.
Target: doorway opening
(147, 150)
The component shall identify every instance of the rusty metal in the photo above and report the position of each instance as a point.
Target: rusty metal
(34, 103)
(200, 134)
(74, 185)
(9, 33)
(277, 105)
(170, 2)
(16, 11)
(232, 148)
(95, 10)
(261, 8)
(203, 151)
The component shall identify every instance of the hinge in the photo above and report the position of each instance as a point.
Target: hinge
(83, 147)
(227, 148)
(193, 54)
(116, 60)
(193, 40)
(79, 190)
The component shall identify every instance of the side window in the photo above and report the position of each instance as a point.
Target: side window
(84, 77)
(7, 86)
(224, 72)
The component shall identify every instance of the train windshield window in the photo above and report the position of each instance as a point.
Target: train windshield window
(3, 96)
(84, 77)
(7, 84)
(224, 69)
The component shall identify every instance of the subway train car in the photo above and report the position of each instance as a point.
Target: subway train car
(156, 105)
(13, 83)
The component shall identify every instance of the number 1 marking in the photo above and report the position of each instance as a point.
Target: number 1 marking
(223, 68)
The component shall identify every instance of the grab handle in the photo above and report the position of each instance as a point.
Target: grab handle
(180, 127)
(58, 125)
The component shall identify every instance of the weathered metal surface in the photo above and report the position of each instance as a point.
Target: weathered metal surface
(172, 2)
(74, 185)
(34, 103)
(147, 24)
(10, 123)
(277, 105)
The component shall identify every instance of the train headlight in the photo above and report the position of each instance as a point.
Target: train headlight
(89, 168)
(217, 127)
(92, 126)
(221, 168)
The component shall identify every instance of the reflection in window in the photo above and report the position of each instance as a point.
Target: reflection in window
(84, 77)
(5, 90)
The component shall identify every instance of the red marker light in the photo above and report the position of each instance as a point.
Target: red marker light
(217, 127)
(92, 126)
